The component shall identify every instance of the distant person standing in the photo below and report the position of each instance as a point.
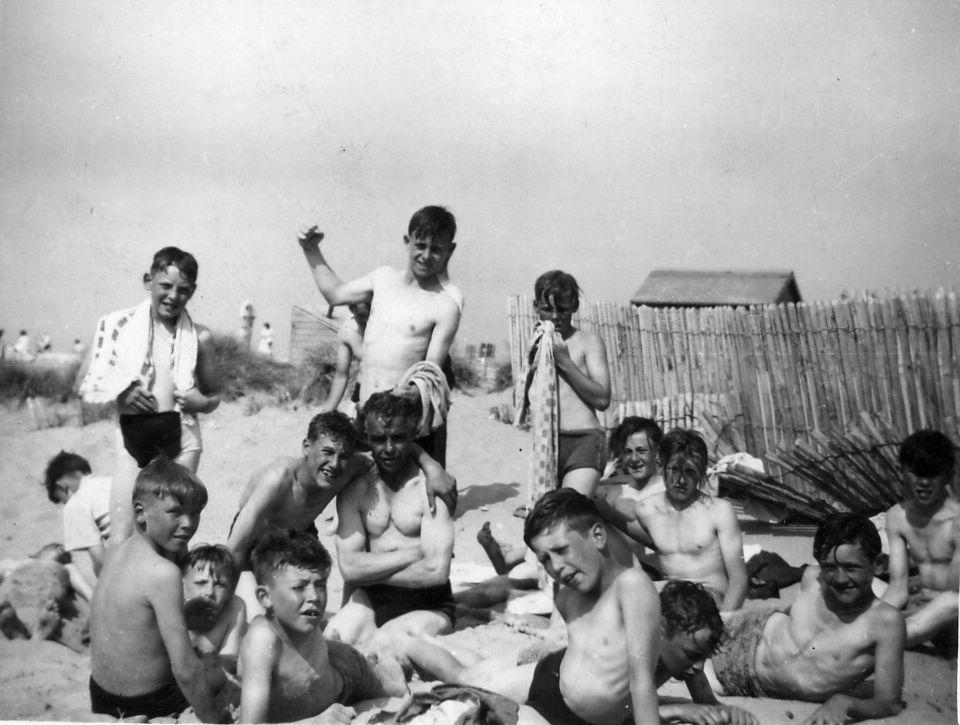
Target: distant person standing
(79, 348)
(265, 347)
(349, 348)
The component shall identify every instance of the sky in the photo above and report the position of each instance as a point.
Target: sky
(606, 139)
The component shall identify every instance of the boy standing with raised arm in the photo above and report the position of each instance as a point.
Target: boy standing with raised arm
(141, 658)
(414, 313)
(926, 526)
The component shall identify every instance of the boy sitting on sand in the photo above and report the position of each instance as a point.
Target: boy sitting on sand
(157, 365)
(835, 635)
(288, 670)
(141, 658)
(621, 647)
(696, 536)
(926, 528)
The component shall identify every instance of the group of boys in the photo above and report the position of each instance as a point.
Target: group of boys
(165, 620)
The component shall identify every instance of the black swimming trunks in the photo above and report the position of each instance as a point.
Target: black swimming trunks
(580, 449)
(545, 696)
(165, 701)
(390, 602)
(147, 435)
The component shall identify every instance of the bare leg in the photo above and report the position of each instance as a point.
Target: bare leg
(353, 624)
(503, 556)
(121, 494)
(935, 615)
(584, 480)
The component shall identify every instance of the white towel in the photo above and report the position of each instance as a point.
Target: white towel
(121, 354)
(434, 392)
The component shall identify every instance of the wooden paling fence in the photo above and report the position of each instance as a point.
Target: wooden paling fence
(785, 382)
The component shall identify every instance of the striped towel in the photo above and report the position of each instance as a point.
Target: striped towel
(431, 384)
(540, 401)
(121, 354)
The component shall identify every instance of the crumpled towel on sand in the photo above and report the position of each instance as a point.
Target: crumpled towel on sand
(457, 705)
(431, 384)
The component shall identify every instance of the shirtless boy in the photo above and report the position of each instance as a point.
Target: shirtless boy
(157, 365)
(926, 528)
(697, 537)
(583, 384)
(835, 635)
(289, 671)
(290, 493)
(414, 313)
(389, 546)
(349, 348)
(141, 658)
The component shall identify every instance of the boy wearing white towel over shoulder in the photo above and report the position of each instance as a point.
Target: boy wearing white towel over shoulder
(157, 364)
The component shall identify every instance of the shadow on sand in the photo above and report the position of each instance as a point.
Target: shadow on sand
(473, 497)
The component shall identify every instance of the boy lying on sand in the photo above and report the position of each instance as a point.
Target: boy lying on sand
(835, 635)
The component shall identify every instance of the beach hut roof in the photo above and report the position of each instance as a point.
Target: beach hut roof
(716, 288)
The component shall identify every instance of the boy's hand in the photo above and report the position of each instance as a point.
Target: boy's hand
(832, 712)
(561, 354)
(707, 714)
(336, 714)
(138, 398)
(442, 485)
(310, 239)
(192, 401)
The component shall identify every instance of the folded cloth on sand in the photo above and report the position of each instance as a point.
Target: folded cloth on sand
(482, 707)
(540, 401)
(431, 384)
(166, 701)
(147, 435)
(121, 354)
(735, 661)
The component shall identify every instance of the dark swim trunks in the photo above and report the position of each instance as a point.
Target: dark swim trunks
(390, 602)
(165, 701)
(147, 435)
(580, 449)
(545, 696)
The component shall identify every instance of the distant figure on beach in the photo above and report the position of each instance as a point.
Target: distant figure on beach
(391, 549)
(44, 343)
(349, 348)
(78, 348)
(414, 313)
(141, 658)
(265, 344)
(86, 516)
(925, 527)
(22, 346)
(158, 366)
(835, 634)
(33, 592)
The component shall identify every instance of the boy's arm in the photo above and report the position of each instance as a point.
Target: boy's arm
(445, 329)
(593, 387)
(358, 565)
(897, 592)
(87, 563)
(341, 376)
(334, 291)
(205, 397)
(635, 528)
(236, 613)
(640, 609)
(265, 488)
(731, 549)
(436, 544)
(261, 652)
(164, 593)
(439, 482)
(889, 632)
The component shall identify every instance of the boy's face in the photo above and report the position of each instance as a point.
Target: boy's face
(558, 310)
(683, 653)
(925, 493)
(428, 257)
(682, 476)
(571, 557)
(389, 440)
(169, 292)
(326, 457)
(297, 597)
(639, 459)
(205, 594)
(846, 576)
(167, 522)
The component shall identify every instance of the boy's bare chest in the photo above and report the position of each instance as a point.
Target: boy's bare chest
(400, 510)
(690, 531)
(935, 541)
(402, 308)
(304, 685)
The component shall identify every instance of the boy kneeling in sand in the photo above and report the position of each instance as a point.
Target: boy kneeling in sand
(835, 634)
(289, 670)
(141, 659)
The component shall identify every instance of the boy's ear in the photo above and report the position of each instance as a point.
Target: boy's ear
(138, 514)
(406, 239)
(306, 445)
(147, 279)
(263, 597)
(598, 534)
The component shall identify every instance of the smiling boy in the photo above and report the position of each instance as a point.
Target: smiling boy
(141, 658)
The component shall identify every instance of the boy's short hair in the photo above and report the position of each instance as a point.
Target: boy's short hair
(846, 528)
(163, 478)
(562, 505)
(336, 425)
(928, 454)
(52, 552)
(686, 608)
(60, 465)
(174, 257)
(684, 442)
(631, 425)
(386, 405)
(216, 557)
(279, 548)
(556, 284)
(434, 223)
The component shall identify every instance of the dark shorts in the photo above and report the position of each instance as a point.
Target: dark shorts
(357, 676)
(147, 435)
(165, 701)
(390, 602)
(580, 449)
(545, 696)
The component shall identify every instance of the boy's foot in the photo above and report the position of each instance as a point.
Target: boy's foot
(10, 624)
(48, 621)
(492, 548)
(521, 512)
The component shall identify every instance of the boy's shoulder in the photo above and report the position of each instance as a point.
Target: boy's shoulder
(453, 291)
(261, 641)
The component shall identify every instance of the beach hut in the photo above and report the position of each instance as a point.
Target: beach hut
(311, 327)
(716, 288)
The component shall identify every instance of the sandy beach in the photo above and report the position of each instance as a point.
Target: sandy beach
(47, 681)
